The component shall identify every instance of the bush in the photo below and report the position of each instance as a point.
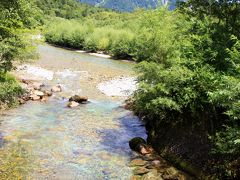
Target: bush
(194, 81)
(86, 36)
(9, 91)
(122, 44)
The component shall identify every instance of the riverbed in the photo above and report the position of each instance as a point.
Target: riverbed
(89, 141)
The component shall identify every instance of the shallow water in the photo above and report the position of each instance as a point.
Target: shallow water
(88, 142)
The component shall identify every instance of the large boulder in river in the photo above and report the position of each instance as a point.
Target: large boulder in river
(139, 145)
(79, 99)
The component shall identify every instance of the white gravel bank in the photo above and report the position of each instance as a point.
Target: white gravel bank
(123, 86)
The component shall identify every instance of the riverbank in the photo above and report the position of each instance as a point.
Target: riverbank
(100, 54)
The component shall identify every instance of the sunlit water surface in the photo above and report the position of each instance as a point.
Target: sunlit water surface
(88, 142)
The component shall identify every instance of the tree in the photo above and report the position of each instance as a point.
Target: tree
(15, 16)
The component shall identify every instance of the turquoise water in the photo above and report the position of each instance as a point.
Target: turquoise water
(88, 142)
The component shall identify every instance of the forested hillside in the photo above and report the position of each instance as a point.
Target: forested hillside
(129, 5)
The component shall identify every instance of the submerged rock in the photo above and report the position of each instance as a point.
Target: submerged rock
(72, 104)
(79, 99)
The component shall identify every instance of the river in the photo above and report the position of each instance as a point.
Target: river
(87, 142)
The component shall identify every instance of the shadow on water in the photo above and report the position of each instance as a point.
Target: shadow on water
(116, 140)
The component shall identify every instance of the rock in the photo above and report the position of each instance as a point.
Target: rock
(152, 175)
(24, 86)
(144, 150)
(140, 171)
(156, 163)
(172, 171)
(150, 157)
(37, 85)
(169, 177)
(21, 101)
(134, 177)
(47, 93)
(73, 104)
(26, 97)
(38, 93)
(138, 144)
(57, 88)
(137, 162)
(25, 81)
(44, 99)
(150, 167)
(79, 99)
(35, 97)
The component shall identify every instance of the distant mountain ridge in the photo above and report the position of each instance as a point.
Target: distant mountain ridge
(129, 5)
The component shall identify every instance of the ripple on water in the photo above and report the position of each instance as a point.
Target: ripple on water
(90, 141)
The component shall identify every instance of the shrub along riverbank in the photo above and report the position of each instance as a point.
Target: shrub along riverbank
(120, 35)
(189, 75)
(9, 91)
(16, 18)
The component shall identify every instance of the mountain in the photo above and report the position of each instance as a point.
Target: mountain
(129, 5)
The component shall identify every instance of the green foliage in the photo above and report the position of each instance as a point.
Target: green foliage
(67, 9)
(90, 37)
(195, 79)
(228, 142)
(15, 16)
(158, 36)
(9, 91)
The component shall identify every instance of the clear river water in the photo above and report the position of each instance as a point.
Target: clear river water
(87, 142)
